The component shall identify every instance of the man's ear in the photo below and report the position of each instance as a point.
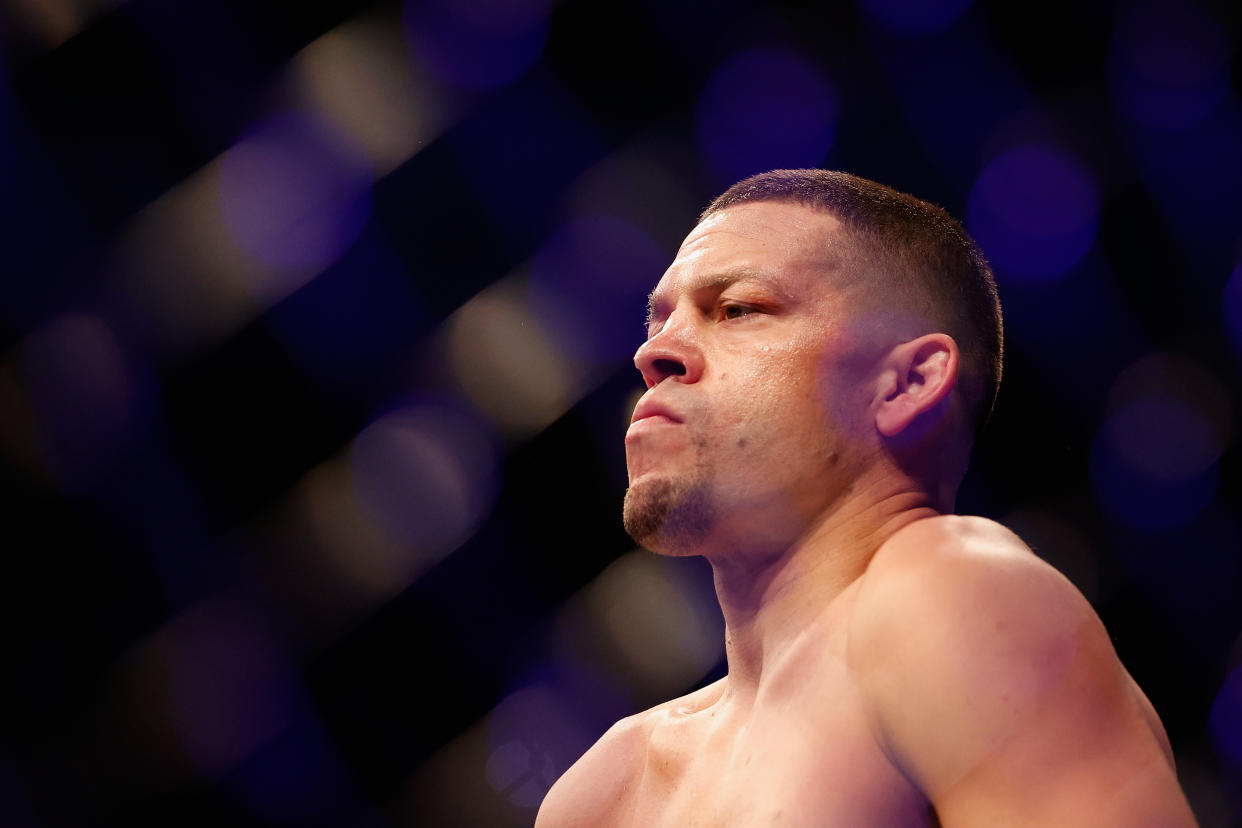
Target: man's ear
(916, 377)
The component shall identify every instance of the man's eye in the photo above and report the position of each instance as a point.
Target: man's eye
(734, 311)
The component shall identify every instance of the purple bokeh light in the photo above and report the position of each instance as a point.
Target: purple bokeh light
(914, 17)
(477, 44)
(1169, 66)
(294, 192)
(428, 472)
(766, 109)
(589, 286)
(1034, 210)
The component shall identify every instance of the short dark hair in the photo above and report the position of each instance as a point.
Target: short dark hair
(912, 250)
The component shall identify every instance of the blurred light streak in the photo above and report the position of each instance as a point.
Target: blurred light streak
(360, 78)
(589, 285)
(643, 183)
(428, 473)
(1057, 541)
(765, 109)
(52, 22)
(652, 624)
(452, 787)
(477, 44)
(185, 280)
(263, 219)
(19, 425)
(507, 364)
(204, 692)
(497, 771)
(83, 395)
(361, 527)
(1034, 209)
(294, 192)
(914, 17)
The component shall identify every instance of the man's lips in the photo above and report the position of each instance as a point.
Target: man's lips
(648, 408)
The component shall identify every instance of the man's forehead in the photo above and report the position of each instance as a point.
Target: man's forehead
(755, 241)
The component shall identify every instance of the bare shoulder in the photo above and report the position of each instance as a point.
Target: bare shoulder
(994, 681)
(595, 789)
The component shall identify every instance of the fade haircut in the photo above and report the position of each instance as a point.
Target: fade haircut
(912, 255)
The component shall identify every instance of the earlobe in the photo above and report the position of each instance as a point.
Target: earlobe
(925, 373)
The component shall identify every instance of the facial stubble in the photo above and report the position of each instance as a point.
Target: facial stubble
(670, 515)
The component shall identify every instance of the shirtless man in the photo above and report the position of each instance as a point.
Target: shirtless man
(818, 357)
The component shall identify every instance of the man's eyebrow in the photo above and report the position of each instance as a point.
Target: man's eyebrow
(716, 281)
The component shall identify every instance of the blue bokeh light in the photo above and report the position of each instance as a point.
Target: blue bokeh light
(765, 109)
(294, 193)
(1034, 210)
(914, 17)
(589, 286)
(1169, 66)
(477, 44)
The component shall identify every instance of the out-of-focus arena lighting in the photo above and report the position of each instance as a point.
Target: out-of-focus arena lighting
(295, 192)
(1058, 541)
(428, 473)
(646, 621)
(506, 364)
(271, 213)
(83, 395)
(1034, 209)
(185, 279)
(766, 109)
(914, 17)
(498, 770)
(52, 22)
(1231, 310)
(1226, 719)
(1169, 66)
(477, 44)
(363, 526)
(359, 77)
(589, 284)
(1153, 463)
(206, 691)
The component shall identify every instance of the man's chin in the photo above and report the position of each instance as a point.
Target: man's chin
(667, 516)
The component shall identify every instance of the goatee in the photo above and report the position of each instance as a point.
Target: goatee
(667, 516)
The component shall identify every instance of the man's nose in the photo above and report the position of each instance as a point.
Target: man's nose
(674, 352)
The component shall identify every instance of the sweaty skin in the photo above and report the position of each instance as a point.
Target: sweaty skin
(888, 664)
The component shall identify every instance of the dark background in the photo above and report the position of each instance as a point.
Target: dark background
(316, 325)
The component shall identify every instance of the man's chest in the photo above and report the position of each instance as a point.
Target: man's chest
(788, 761)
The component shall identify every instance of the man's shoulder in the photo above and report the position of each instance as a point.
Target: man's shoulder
(984, 666)
(955, 557)
(947, 579)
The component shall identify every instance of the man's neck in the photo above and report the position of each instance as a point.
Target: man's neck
(769, 600)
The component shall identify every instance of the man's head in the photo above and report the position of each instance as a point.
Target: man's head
(811, 323)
